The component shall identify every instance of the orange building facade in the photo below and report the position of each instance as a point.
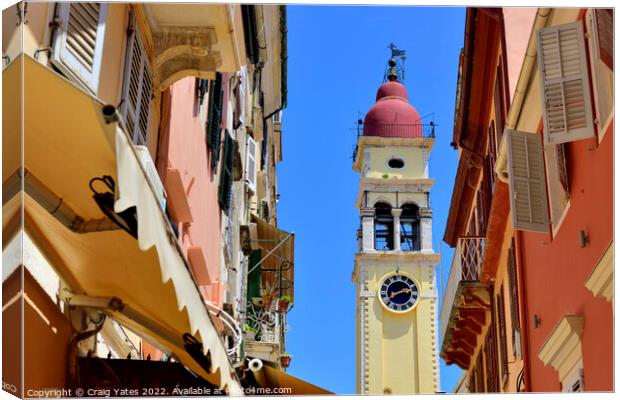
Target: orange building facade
(528, 305)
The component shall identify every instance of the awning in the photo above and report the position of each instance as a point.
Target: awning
(274, 379)
(278, 258)
(67, 143)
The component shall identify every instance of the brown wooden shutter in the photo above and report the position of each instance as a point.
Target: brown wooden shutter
(528, 192)
(565, 86)
(490, 355)
(472, 381)
(503, 343)
(479, 373)
(605, 33)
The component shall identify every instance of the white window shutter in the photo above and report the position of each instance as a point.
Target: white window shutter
(528, 193)
(563, 70)
(137, 89)
(78, 41)
(250, 163)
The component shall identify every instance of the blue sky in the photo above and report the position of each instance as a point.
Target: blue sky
(337, 56)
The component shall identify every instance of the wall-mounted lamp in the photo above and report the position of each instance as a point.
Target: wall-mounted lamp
(537, 320)
(584, 239)
(109, 113)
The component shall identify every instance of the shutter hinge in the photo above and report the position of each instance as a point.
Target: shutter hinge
(56, 23)
(586, 35)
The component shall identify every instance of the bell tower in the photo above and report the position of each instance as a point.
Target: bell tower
(395, 263)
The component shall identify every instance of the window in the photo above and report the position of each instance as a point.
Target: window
(396, 163)
(214, 120)
(503, 344)
(574, 379)
(599, 25)
(77, 45)
(514, 300)
(410, 228)
(479, 373)
(137, 88)
(226, 176)
(499, 101)
(384, 227)
(557, 182)
(250, 163)
(490, 355)
(567, 112)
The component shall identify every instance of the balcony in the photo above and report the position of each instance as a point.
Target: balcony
(424, 131)
(465, 302)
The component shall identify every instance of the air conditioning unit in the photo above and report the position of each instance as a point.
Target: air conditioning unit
(151, 173)
(250, 163)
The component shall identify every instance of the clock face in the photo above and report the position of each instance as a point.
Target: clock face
(399, 293)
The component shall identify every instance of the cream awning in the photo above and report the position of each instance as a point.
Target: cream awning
(276, 378)
(66, 143)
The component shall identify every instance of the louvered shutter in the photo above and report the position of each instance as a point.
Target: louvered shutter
(226, 178)
(214, 119)
(78, 41)
(250, 163)
(528, 192)
(605, 34)
(137, 89)
(564, 82)
(503, 342)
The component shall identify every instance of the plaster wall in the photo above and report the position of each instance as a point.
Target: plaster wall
(556, 266)
(187, 152)
(401, 348)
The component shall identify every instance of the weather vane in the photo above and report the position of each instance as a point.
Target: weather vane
(396, 64)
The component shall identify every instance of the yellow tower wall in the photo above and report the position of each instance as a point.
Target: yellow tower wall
(415, 159)
(400, 348)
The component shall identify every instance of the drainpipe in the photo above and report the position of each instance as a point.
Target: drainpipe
(525, 77)
(53, 204)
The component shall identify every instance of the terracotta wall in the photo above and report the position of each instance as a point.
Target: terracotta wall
(187, 152)
(47, 334)
(557, 268)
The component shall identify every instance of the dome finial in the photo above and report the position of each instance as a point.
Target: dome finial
(396, 69)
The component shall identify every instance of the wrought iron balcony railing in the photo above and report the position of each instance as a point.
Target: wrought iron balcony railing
(425, 131)
(466, 266)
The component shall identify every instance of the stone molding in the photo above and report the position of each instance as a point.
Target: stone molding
(562, 349)
(601, 280)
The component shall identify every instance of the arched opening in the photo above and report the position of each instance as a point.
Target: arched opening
(410, 228)
(384, 227)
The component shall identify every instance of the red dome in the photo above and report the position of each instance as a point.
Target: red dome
(392, 89)
(392, 115)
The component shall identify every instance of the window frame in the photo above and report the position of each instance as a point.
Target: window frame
(68, 63)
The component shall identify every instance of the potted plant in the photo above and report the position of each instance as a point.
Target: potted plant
(283, 303)
(250, 332)
(285, 359)
(267, 295)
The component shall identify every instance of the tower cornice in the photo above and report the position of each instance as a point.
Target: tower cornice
(392, 185)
